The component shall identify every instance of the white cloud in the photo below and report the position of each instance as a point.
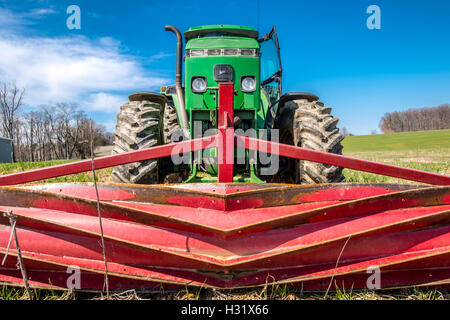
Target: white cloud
(160, 55)
(65, 69)
(11, 21)
(96, 74)
(40, 12)
(105, 102)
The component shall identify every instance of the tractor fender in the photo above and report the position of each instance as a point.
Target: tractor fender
(274, 109)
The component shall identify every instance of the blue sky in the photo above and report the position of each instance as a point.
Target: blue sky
(325, 45)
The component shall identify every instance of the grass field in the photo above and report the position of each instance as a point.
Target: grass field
(422, 150)
(404, 141)
(103, 175)
(427, 150)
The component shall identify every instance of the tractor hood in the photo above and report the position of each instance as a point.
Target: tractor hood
(220, 30)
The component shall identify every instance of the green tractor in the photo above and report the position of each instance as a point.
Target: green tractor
(215, 54)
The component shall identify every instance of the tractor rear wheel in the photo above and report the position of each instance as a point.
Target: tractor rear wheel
(307, 123)
(138, 127)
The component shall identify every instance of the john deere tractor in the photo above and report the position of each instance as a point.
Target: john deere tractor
(215, 54)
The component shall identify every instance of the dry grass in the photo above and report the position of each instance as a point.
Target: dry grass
(270, 292)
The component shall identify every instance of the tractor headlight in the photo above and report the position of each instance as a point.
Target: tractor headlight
(248, 84)
(198, 84)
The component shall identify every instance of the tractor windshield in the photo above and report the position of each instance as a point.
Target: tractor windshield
(271, 65)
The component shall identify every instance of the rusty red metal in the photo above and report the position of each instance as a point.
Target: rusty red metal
(226, 132)
(303, 235)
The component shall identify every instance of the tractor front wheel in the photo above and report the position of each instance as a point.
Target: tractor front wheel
(138, 127)
(172, 132)
(309, 124)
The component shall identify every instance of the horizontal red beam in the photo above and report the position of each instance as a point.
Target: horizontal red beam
(210, 142)
(342, 161)
(108, 161)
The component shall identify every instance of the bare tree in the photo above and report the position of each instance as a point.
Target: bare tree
(345, 132)
(435, 118)
(11, 98)
(60, 131)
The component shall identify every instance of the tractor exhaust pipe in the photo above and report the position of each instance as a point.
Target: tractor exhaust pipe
(178, 79)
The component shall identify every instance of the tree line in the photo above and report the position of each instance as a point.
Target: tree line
(435, 118)
(52, 132)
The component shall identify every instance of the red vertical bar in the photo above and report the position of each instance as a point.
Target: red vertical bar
(226, 132)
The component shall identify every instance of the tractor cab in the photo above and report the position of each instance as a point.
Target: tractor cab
(218, 54)
(229, 53)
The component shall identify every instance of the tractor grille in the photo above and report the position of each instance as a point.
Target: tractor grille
(236, 52)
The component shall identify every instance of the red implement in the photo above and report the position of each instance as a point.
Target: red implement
(228, 235)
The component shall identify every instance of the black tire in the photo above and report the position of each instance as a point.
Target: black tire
(138, 127)
(171, 133)
(171, 127)
(310, 125)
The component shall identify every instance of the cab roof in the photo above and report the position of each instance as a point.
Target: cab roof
(214, 29)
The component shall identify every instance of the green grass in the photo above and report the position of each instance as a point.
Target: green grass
(422, 150)
(102, 174)
(418, 140)
(18, 293)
